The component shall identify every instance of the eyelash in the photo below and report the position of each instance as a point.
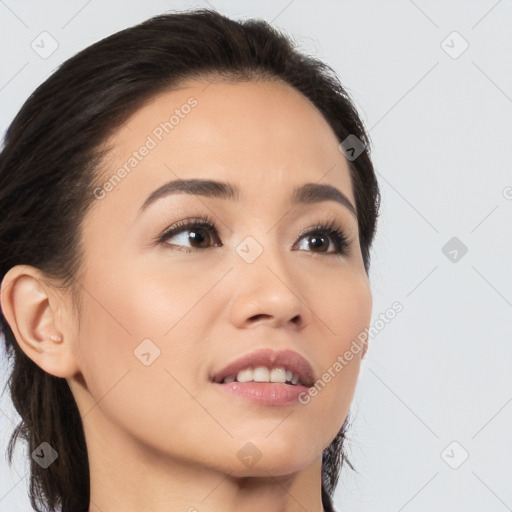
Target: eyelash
(329, 228)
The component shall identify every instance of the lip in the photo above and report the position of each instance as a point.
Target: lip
(288, 359)
(265, 393)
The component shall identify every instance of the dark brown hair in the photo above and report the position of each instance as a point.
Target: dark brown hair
(49, 163)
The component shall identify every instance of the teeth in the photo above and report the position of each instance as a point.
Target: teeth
(246, 375)
(263, 374)
(278, 375)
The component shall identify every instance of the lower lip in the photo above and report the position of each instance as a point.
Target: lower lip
(265, 393)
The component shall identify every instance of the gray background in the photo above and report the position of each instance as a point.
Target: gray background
(436, 385)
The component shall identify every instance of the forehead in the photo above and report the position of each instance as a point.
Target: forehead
(265, 137)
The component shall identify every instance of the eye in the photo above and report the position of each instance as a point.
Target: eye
(197, 232)
(201, 234)
(320, 236)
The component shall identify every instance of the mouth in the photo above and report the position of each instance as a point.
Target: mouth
(267, 378)
(276, 375)
(267, 366)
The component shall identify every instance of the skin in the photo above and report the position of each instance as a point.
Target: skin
(160, 437)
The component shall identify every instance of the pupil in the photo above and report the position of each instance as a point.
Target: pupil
(317, 241)
(196, 236)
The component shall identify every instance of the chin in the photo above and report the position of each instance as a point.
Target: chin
(276, 457)
(268, 467)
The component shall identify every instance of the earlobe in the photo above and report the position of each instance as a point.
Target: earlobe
(31, 312)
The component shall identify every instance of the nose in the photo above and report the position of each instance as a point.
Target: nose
(267, 293)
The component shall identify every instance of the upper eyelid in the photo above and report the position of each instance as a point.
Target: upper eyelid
(201, 221)
(190, 222)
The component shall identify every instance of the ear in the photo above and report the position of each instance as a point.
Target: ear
(34, 311)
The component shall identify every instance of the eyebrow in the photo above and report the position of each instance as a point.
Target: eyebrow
(308, 193)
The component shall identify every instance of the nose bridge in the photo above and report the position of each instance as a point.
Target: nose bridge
(265, 286)
(262, 252)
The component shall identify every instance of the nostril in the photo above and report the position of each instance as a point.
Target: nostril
(257, 317)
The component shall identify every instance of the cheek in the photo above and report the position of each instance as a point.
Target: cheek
(351, 321)
(138, 325)
(163, 295)
(133, 302)
(342, 307)
(120, 333)
(344, 315)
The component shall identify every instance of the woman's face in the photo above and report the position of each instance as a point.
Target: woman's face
(161, 316)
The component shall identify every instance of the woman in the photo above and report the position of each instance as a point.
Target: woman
(188, 208)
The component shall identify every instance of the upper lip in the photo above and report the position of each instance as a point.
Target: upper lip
(288, 359)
